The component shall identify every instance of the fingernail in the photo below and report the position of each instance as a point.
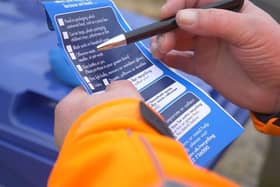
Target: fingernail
(187, 17)
(160, 40)
(162, 9)
(154, 45)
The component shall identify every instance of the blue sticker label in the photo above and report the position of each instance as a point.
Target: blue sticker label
(82, 31)
(202, 126)
(185, 114)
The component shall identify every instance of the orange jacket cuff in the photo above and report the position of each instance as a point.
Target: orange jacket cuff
(268, 127)
(111, 116)
(98, 152)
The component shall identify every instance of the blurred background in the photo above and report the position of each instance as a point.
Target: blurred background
(29, 91)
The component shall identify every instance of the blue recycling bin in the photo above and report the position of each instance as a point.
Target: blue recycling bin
(30, 87)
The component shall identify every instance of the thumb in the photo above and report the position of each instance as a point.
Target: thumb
(230, 26)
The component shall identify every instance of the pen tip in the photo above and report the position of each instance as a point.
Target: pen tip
(100, 47)
(111, 43)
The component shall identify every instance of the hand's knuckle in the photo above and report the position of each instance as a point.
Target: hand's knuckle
(124, 84)
(129, 85)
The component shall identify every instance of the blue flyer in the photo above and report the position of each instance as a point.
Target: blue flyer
(195, 119)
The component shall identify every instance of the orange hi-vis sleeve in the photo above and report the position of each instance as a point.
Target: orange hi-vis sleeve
(267, 124)
(112, 145)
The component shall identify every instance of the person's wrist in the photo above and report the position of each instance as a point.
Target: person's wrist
(125, 113)
(268, 123)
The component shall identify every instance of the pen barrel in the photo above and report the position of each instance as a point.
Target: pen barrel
(151, 30)
(170, 23)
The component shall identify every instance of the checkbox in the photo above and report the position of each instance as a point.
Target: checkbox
(60, 22)
(79, 67)
(106, 82)
(65, 35)
(91, 86)
(87, 79)
(69, 49)
(73, 57)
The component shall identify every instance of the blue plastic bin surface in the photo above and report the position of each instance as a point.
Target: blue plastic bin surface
(29, 91)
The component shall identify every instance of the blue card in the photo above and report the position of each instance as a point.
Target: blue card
(196, 120)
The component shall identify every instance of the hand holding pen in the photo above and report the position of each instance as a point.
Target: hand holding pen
(236, 53)
(163, 26)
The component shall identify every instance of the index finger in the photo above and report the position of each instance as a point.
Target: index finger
(171, 7)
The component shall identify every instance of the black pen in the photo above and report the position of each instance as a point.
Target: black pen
(162, 26)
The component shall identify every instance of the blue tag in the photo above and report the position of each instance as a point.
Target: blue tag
(196, 120)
